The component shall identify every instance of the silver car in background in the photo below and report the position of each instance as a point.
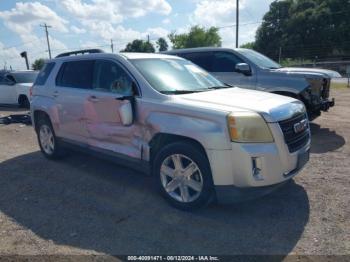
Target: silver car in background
(247, 68)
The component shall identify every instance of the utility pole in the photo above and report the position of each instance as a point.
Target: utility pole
(237, 21)
(112, 46)
(47, 37)
(280, 55)
(148, 38)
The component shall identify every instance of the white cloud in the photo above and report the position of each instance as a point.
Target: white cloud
(23, 19)
(221, 13)
(157, 32)
(36, 48)
(102, 10)
(166, 21)
(214, 12)
(77, 30)
(137, 8)
(25, 16)
(114, 11)
(103, 18)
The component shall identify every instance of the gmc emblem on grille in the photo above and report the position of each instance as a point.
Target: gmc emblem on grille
(300, 126)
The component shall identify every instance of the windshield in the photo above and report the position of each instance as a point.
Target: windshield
(259, 59)
(169, 75)
(25, 77)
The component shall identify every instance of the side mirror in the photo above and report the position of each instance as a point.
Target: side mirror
(244, 69)
(126, 110)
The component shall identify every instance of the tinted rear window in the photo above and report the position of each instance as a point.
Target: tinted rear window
(76, 74)
(203, 59)
(44, 74)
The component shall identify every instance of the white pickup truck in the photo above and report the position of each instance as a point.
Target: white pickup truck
(15, 87)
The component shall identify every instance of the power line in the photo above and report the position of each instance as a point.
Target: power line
(233, 25)
(47, 37)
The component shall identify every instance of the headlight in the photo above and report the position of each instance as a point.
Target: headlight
(248, 127)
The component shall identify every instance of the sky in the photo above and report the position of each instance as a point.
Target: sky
(77, 24)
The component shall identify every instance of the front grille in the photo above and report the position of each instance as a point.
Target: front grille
(294, 141)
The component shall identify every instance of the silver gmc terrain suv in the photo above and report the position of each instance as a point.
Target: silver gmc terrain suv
(201, 139)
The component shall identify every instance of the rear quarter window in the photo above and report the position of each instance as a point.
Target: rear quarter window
(76, 74)
(44, 74)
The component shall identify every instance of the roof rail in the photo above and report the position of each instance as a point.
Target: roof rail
(81, 52)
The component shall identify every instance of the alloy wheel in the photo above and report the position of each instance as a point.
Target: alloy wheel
(181, 178)
(47, 139)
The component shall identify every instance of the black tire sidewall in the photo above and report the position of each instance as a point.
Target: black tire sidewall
(191, 151)
(24, 102)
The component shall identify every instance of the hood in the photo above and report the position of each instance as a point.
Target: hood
(272, 107)
(324, 72)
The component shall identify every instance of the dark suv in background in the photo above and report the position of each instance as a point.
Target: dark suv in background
(249, 69)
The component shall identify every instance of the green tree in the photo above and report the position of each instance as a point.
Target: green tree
(197, 37)
(305, 29)
(250, 45)
(139, 46)
(38, 64)
(162, 44)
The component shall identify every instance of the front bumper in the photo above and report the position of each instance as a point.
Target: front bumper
(314, 110)
(233, 194)
(326, 104)
(250, 170)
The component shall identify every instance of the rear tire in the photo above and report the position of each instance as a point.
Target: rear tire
(47, 139)
(23, 102)
(183, 176)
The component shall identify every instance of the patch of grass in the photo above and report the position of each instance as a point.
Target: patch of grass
(339, 85)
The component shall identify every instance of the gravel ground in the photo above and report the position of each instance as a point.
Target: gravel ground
(83, 205)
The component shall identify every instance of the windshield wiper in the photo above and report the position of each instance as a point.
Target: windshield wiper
(179, 92)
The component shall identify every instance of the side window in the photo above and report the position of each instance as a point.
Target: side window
(203, 59)
(225, 62)
(9, 79)
(110, 77)
(76, 74)
(44, 74)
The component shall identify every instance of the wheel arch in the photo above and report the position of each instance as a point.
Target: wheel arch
(160, 140)
(21, 96)
(37, 114)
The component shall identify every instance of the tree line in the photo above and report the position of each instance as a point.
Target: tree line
(305, 29)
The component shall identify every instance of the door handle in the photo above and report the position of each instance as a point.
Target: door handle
(93, 99)
(55, 94)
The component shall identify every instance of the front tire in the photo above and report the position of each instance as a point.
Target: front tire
(47, 139)
(183, 176)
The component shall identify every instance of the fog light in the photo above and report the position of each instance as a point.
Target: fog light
(256, 169)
